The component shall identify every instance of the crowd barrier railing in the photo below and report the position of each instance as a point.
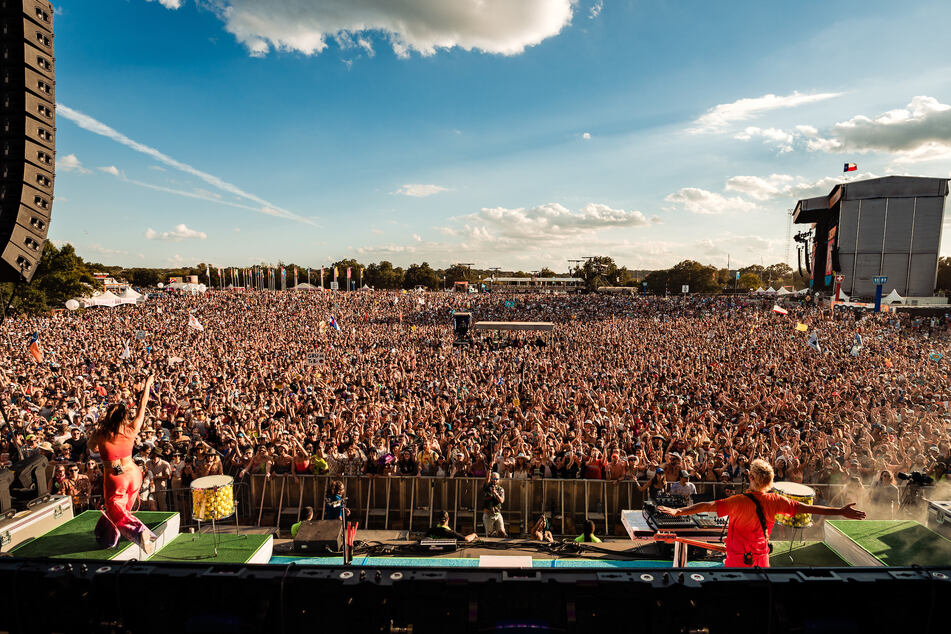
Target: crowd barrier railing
(413, 503)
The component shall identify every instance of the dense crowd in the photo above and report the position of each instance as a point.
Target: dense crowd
(370, 383)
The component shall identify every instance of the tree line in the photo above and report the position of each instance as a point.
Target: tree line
(62, 275)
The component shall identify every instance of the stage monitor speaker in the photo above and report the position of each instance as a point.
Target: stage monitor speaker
(27, 135)
(31, 480)
(321, 536)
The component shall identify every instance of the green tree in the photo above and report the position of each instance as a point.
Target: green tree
(749, 281)
(60, 275)
(457, 273)
(144, 277)
(546, 272)
(421, 275)
(383, 275)
(596, 272)
(700, 278)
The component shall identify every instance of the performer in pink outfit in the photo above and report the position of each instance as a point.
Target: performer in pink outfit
(114, 439)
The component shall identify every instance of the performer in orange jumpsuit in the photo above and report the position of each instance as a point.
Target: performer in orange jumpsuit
(114, 439)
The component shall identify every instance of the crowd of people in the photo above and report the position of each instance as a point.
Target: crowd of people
(661, 391)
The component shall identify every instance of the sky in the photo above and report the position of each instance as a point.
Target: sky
(510, 133)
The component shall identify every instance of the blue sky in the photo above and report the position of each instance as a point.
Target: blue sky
(513, 134)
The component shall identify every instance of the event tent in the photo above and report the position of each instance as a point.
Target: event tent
(129, 293)
(842, 296)
(107, 298)
(893, 298)
(184, 287)
(760, 290)
(304, 286)
(770, 291)
(783, 291)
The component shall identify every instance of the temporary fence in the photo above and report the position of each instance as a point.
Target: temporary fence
(413, 503)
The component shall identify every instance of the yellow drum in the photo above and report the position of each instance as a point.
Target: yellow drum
(800, 493)
(212, 498)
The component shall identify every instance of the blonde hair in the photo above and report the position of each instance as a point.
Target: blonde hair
(761, 472)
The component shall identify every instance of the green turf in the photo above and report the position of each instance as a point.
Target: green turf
(75, 538)
(194, 547)
(808, 553)
(898, 543)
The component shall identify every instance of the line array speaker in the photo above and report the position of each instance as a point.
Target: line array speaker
(27, 135)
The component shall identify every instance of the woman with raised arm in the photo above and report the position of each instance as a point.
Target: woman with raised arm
(114, 439)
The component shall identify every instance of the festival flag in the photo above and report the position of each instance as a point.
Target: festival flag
(813, 341)
(888, 363)
(334, 324)
(34, 348)
(335, 274)
(194, 323)
(295, 276)
(779, 309)
(308, 275)
(849, 167)
(126, 353)
(321, 278)
(801, 327)
(857, 345)
(348, 278)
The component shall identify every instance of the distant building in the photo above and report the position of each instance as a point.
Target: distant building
(109, 283)
(534, 284)
(183, 279)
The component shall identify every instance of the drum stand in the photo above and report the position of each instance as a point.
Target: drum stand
(216, 538)
(792, 536)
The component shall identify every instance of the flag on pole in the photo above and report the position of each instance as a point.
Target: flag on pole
(333, 323)
(779, 309)
(194, 323)
(813, 341)
(321, 278)
(801, 327)
(34, 348)
(335, 274)
(295, 276)
(849, 167)
(308, 275)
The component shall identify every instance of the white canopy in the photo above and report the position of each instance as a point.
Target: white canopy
(893, 298)
(129, 293)
(770, 291)
(760, 290)
(304, 286)
(194, 289)
(783, 291)
(842, 296)
(106, 299)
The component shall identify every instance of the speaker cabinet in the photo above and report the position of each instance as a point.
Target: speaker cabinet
(321, 536)
(27, 135)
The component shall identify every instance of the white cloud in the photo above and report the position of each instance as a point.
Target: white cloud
(773, 136)
(701, 201)
(168, 4)
(788, 187)
(110, 169)
(420, 191)
(97, 127)
(417, 237)
(425, 26)
(596, 9)
(586, 136)
(721, 116)
(98, 248)
(548, 223)
(919, 132)
(759, 188)
(70, 163)
(179, 233)
(177, 260)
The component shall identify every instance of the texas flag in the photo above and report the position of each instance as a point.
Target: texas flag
(778, 309)
(34, 348)
(333, 323)
(849, 167)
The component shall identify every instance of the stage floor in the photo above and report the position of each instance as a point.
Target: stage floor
(75, 538)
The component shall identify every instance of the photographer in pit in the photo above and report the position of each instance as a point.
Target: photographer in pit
(911, 500)
(752, 515)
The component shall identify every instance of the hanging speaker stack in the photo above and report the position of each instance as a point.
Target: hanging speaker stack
(27, 135)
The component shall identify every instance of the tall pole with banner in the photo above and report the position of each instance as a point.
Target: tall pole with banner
(879, 281)
(838, 289)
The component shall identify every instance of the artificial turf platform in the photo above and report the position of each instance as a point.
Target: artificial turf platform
(888, 543)
(232, 549)
(75, 539)
(806, 553)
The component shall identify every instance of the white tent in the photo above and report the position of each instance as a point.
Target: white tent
(842, 296)
(194, 289)
(783, 291)
(760, 290)
(304, 286)
(770, 291)
(129, 293)
(893, 298)
(106, 299)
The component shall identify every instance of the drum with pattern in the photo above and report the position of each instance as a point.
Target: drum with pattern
(800, 493)
(212, 498)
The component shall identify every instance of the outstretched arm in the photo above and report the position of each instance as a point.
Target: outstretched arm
(848, 511)
(693, 509)
(140, 415)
